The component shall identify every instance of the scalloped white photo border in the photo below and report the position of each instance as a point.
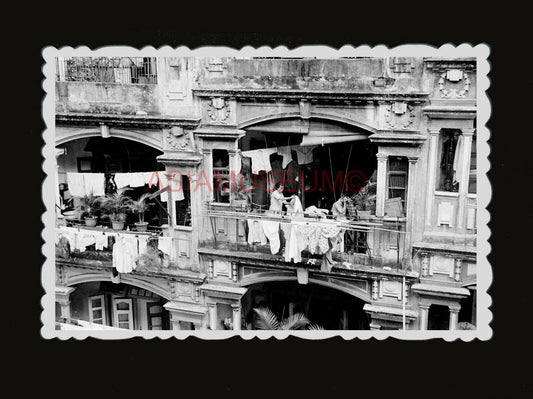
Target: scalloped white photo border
(484, 271)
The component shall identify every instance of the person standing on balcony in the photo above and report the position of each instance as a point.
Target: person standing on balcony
(277, 199)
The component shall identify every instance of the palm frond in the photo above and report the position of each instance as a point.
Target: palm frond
(314, 326)
(266, 319)
(295, 322)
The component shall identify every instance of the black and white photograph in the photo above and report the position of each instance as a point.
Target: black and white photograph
(314, 192)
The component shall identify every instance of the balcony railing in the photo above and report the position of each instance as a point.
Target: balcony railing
(374, 242)
(96, 243)
(107, 70)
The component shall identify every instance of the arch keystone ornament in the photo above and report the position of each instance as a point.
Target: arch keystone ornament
(454, 75)
(218, 109)
(399, 115)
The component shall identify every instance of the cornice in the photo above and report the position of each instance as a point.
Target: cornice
(311, 95)
(139, 121)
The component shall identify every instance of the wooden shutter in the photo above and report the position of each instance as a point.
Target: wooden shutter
(97, 311)
(123, 313)
(156, 315)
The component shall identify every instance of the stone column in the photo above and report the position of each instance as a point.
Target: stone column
(63, 299)
(381, 193)
(212, 309)
(208, 172)
(432, 168)
(410, 201)
(424, 311)
(171, 209)
(464, 173)
(236, 316)
(454, 314)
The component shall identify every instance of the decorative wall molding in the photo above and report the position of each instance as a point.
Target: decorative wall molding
(454, 75)
(218, 109)
(399, 115)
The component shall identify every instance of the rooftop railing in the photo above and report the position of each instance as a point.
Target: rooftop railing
(135, 70)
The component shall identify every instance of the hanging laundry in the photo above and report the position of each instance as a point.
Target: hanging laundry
(176, 185)
(94, 183)
(76, 184)
(255, 232)
(137, 179)
(285, 152)
(84, 240)
(260, 159)
(71, 235)
(101, 241)
(163, 182)
(143, 244)
(304, 153)
(125, 253)
(122, 180)
(151, 178)
(271, 230)
(164, 244)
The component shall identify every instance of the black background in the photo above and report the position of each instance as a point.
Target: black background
(292, 367)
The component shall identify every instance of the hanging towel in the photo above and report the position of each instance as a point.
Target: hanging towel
(176, 185)
(164, 244)
(122, 179)
(285, 152)
(143, 245)
(271, 230)
(125, 252)
(137, 179)
(151, 178)
(260, 159)
(94, 183)
(163, 182)
(458, 160)
(76, 184)
(100, 241)
(255, 232)
(84, 240)
(304, 154)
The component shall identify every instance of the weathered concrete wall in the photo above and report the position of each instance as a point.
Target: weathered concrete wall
(107, 98)
(361, 74)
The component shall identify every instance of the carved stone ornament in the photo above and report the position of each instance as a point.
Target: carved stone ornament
(454, 75)
(218, 109)
(399, 115)
(178, 139)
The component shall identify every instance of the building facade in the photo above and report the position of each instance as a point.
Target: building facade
(210, 138)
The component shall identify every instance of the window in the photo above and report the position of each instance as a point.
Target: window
(221, 184)
(183, 206)
(397, 185)
(472, 177)
(450, 158)
(97, 312)
(123, 313)
(156, 315)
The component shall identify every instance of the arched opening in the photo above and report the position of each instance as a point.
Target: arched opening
(323, 306)
(103, 305)
(316, 159)
(99, 166)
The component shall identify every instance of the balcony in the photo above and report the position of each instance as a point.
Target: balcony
(160, 250)
(364, 244)
(117, 85)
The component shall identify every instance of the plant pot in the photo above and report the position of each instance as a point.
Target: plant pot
(91, 221)
(364, 214)
(141, 226)
(117, 225)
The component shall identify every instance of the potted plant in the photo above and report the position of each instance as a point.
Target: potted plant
(139, 207)
(240, 198)
(116, 205)
(89, 208)
(365, 201)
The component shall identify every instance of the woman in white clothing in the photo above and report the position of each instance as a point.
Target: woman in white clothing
(277, 200)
